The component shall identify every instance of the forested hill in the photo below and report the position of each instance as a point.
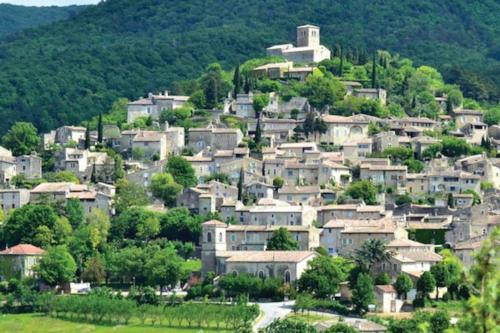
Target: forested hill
(15, 18)
(64, 72)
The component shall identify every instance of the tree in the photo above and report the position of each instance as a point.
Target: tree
(87, 137)
(178, 224)
(73, 210)
(441, 276)
(260, 101)
(341, 65)
(440, 321)
(164, 268)
(240, 184)
(65, 176)
(363, 293)
(258, 132)
(374, 71)
(148, 228)
(426, 284)
(371, 252)
(23, 224)
(341, 328)
(165, 188)
(21, 139)
(181, 171)
(492, 116)
(322, 277)
(129, 194)
(94, 270)
(288, 326)
(281, 240)
(403, 285)
(363, 189)
(236, 81)
(322, 91)
(126, 225)
(383, 279)
(476, 197)
(100, 129)
(308, 125)
(99, 225)
(278, 182)
(481, 311)
(57, 266)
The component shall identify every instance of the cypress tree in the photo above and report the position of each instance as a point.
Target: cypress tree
(240, 185)
(87, 137)
(449, 106)
(258, 132)
(237, 81)
(341, 65)
(374, 71)
(247, 88)
(100, 129)
(93, 176)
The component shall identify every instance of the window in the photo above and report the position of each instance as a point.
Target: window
(233, 238)
(209, 237)
(261, 274)
(287, 277)
(221, 238)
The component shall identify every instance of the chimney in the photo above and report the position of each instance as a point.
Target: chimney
(166, 92)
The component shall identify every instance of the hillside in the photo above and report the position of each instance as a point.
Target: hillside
(69, 70)
(16, 18)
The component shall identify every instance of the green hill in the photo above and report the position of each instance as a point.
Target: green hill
(15, 18)
(69, 70)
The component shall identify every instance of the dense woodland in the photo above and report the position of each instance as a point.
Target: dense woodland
(125, 48)
(16, 18)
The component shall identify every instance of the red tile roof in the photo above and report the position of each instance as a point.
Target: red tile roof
(23, 249)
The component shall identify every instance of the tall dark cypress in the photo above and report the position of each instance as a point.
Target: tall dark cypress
(341, 65)
(240, 185)
(100, 129)
(236, 81)
(258, 133)
(449, 106)
(87, 137)
(247, 86)
(374, 70)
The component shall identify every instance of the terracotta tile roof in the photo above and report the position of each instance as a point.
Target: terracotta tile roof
(214, 223)
(299, 189)
(269, 256)
(386, 288)
(23, 249)
(146, 136)
(469, 245)
(418, 256)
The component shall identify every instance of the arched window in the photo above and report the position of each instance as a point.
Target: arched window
(209, 237)
(220, 237)
(261, 274)
(235, 273)
(288, 277)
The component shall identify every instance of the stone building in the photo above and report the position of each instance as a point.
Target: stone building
(153, 105)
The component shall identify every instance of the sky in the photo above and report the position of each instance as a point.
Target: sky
(49, 2)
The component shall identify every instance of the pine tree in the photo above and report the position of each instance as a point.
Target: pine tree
(258, 133)
(374, 71)
(237, 81)
(100, 129)
(87, 137)
(240, 185)
(247, 87)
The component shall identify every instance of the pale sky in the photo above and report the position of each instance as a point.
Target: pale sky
(49, 2)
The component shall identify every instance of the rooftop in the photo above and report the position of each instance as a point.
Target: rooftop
(23, 250)
(268, 256)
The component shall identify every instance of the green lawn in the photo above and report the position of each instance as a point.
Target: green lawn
(33, 323)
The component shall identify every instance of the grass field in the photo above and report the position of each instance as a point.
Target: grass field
(33, 323)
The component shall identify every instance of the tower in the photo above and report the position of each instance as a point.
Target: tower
(213, 240)
(307, 36)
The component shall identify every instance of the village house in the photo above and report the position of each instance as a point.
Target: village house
(475, 133)
(273, 71)
(68, 134)
(421, 143)
(342, 237)
(357, 149)
(487, 168)
(384, 140)
(390, 176)
(349, 212)
(215, 138)
(344, 129)
(29, 165)
(151, 143)
(305, 195)
(206, 198)
(259, 189)
(275, 130)
(377, 94)
(8, 169)
(18, 261)
(297, 149)
(89, 198)
(288, 265)
(153, 105)
(175, 137)
(13, 198)
(308, 49)
(417, 183)
(453, 181)
(296, 173)
(350, 86)
(420, 123)
(387, 300)
(466, 116)
(255, 237)
(333, 172)
(244, 106)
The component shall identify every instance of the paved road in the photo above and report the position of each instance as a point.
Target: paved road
(273, 311)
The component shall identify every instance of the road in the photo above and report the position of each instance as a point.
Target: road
(271, 312)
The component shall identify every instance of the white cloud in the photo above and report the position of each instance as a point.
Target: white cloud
(49, 2)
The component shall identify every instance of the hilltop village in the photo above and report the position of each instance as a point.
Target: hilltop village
(346, 181)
